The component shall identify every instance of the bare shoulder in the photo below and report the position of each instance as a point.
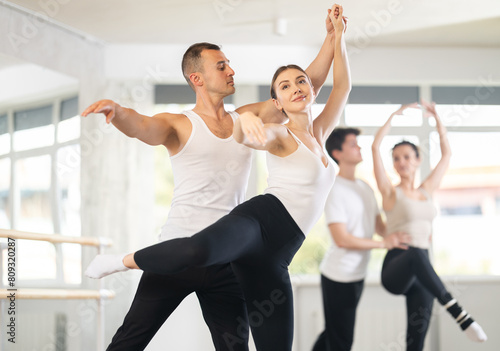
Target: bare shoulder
(173, 121)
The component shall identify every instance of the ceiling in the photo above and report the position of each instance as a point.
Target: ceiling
(374, 22)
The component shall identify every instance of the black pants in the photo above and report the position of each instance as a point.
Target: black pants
(340, 301)
(409, 272)
(259, 238)
(157, 296)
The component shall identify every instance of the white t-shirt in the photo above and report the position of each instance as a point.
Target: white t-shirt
(352, 203)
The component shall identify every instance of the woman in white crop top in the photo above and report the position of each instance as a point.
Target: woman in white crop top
(260, 237)
(410, 209)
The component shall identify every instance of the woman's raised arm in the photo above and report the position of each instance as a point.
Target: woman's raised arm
(329, 117)
(383, 182)
(433, 181)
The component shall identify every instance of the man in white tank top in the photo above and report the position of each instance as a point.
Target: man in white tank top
(201, 148)
(353, 216)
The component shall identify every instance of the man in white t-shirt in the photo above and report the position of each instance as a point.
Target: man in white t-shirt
(353, 217)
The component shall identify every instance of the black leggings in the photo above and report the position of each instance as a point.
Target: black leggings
(340, 301)
(410, 273)
(220, 297)
(259, 238)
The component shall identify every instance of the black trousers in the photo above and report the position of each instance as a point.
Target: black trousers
(259, 238)
(221, 301)
(409, 272)
(340, 301)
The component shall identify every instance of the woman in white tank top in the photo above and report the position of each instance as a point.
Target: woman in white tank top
(260, 237)
(410, 209)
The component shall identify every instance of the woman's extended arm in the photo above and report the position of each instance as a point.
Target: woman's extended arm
(250, 131)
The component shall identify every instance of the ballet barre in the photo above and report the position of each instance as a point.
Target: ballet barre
(60, 294)
(55, 238)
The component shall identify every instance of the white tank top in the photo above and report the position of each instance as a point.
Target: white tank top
(210, 176)
(301, 182)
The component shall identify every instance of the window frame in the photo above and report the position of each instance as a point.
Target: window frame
(55, 100)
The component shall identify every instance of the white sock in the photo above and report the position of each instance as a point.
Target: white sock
(103, 265)
(475, 332)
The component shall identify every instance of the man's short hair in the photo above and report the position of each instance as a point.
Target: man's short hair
(337, 138)
(191, 61)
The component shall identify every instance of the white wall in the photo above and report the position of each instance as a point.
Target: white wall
(117, 172)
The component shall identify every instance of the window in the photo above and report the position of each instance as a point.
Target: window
(33, 128)
(362, 115)
(4, 135)
(466, 229)
(5, 182)
(469, 116)
(368, 109)
(469, 214)
(469, 197)
(40, 187)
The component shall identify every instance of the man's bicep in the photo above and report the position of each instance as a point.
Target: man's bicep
(158, 128)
